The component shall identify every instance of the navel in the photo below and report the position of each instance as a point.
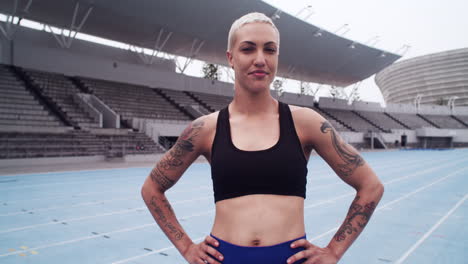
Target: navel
(256, 242)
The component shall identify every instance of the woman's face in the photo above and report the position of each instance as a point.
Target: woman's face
(254, 56)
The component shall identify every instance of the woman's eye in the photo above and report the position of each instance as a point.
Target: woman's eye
(247, 49)
(270, 50)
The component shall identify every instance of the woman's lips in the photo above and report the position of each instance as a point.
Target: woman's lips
(259, 73)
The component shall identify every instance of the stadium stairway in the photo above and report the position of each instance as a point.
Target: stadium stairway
(43, 99)
(61, 92)
(19, 107)
(340, 122)
(370, 122)
(174, 103)
(198, 100)
(80, 85)
(397, 120)
(459, 120)
(428, 121)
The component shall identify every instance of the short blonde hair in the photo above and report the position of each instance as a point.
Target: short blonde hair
(254, 17)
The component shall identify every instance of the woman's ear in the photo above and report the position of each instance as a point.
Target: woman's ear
(229, 57)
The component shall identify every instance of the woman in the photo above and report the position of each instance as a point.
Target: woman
(258, 149)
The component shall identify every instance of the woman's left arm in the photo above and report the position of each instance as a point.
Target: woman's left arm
(352, 169)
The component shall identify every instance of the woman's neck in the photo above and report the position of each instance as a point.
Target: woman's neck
(253, 103)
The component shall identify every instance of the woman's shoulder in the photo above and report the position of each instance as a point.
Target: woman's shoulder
(307, 123)
(305, 115)
(209, 121)
(205, 127)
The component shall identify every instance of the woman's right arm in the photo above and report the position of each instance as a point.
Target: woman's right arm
(164, 175)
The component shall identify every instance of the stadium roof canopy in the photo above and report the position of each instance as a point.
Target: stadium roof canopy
(200, 28)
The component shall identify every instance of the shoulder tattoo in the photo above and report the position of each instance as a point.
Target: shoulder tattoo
(351, 159)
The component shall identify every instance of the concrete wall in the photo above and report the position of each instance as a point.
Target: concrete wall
(397, 133)
(461, 135)
(327, 102)
(461, 110)
(367, 106)
(157, 128)
(401, 108)
(352, 137)
(294, 99)
(434, 110)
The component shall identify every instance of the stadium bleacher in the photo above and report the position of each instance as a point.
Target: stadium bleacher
(215, 102)
(411, 120)
(18, 107)
(461, 119)
(444, 121)
(351, 119)
(61, 90)
(382, 120)
(336, 123)
(73, 143)
(132, 101)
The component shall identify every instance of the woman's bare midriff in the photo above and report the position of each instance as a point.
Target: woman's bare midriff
(259, 219)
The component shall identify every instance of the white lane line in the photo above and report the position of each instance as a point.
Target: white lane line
(317, 187)
(332, 175)
(91, 237)
(124, 177)
(328, 201)
(70, 171)
(386, 183)
(96, 216)
(396, 200)
(153, 252)
(141, 208)
(428, 233)
(171, 191)
(35, 210)
(100, 235)
(133, 197)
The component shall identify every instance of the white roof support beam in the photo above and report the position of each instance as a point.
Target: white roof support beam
(354, 91)
(314, 92)
(158, 47)
(65, 40)
(10, 26)
(194, 50)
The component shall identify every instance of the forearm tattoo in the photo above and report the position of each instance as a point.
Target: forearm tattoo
(174, 157)
(351, 159)
(159, 177)
(169, 227)
(357, 218)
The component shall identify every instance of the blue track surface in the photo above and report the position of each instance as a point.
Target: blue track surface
(99, 217)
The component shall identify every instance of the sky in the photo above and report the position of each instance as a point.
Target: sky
(428, 26)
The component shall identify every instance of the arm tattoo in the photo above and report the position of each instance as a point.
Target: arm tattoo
(351, 159)
(170, 227)
(183, 145)
(357, 213)
(159, 177)
(173, 159)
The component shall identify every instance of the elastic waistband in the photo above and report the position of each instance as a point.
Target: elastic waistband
(276, 245)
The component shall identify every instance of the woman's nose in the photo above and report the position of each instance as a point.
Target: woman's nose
(259, 59)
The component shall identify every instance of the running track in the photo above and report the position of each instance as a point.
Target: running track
(98, 216)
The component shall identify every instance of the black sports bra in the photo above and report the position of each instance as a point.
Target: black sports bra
(281, 169)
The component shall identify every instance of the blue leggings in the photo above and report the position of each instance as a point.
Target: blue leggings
(276, 254)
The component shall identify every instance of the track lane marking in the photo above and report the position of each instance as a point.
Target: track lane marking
(396, 200)
(433, 228)
(325, 202)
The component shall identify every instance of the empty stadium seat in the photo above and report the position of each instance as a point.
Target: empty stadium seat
(18, 107)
